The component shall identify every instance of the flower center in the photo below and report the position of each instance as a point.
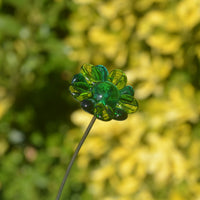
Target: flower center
(106, 93)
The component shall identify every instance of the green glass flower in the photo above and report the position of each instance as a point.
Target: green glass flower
(104, 95)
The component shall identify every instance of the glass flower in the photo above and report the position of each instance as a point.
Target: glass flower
(104, 95)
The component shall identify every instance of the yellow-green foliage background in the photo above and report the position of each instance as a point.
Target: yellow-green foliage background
(154, 154)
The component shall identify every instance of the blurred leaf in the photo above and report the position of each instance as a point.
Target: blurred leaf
(9, 26)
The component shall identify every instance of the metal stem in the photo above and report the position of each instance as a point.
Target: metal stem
(74, 156)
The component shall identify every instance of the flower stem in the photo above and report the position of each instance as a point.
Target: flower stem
(74, 156)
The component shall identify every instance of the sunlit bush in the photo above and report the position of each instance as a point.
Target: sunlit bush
(154, 153)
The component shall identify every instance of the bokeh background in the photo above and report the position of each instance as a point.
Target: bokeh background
(154, 154)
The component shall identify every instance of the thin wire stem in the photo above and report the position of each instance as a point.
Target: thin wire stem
(74, 156)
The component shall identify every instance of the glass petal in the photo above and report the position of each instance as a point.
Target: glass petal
(118, 78)
(127, 90)
(88, 105)
(126, 98)
(80, 91)
(120, 114)
(93, 73)
(101, 73)
(128, 104)
(103, 112)
(78, 78)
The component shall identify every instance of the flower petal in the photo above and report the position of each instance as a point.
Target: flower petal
(127, 90)
(128, 104)
(103, 112)
(79, 91)
(118, 78)
(120, 114)
(102, 73)
(93, 73)
(88, 105)
(79, 88)
(78, 78)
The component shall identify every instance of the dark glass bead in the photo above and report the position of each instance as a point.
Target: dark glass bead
(88, 105)
(120, 114)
